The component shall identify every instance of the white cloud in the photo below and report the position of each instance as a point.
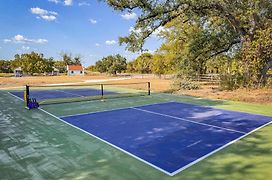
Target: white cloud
(53, 13)
(38, 11)
(49, 18)
(158, 31)
(97, 44)
(155, 34)
(25, 48)
(44, 14)
(93, 21)
(40, 41)
(68, 2)
(84, 4)
(21, 39)
(129, 16)
(110, 42)
(132, 29)
(54, 1)
(150, 51)
(7, 40)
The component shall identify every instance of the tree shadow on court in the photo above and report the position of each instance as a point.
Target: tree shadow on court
(249, 158)
(228, 105)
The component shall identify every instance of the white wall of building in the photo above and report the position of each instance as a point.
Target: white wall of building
(75, 73)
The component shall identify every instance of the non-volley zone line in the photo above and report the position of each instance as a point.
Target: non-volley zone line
(182, 119)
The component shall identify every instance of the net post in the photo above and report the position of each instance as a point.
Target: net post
(149, 88)
(26, 96)
(102, 90)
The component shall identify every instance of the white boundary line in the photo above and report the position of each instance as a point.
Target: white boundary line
(136, 157)
(170, 174)
(218, 149)
(194, 122)
(109, 110)
(15, 96)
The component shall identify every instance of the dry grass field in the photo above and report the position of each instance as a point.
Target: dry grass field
(260, 96)
(11, 82)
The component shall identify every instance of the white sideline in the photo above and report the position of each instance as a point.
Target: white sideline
(15, 96)
(203, 124)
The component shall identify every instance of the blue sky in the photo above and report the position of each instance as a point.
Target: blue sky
(82, 27)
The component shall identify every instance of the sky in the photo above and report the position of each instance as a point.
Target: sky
(89, 28)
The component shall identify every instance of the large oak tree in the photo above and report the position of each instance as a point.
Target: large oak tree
(242, 28)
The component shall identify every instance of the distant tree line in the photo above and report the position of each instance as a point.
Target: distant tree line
(112, 64)
(36, 63)
(146, 63)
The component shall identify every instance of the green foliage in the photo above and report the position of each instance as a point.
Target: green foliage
(5, 66)
(200, 31)
(91, 68)
(68, 59)
(131, 67)
(184, 84)
(143, 63)
(269, 82)
(159, 65)
(33, 63)
(257, 57)
(6, 74)
(111, 64)
(61, 66)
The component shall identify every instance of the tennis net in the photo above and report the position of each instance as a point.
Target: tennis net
(56, 94)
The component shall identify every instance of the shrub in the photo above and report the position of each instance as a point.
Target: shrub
(184, 84)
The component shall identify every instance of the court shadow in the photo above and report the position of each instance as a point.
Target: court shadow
(250, 158)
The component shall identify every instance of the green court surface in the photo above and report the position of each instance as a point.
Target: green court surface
(35, 145)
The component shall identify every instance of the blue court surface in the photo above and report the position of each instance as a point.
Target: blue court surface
(41, 95)
(168, 136)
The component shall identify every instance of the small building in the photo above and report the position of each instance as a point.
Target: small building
(75, 70)
(18, 72)
(55, 72)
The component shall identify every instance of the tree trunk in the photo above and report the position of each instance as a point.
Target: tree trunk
(264, 72)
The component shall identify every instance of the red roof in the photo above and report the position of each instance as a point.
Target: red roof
(75, 68)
